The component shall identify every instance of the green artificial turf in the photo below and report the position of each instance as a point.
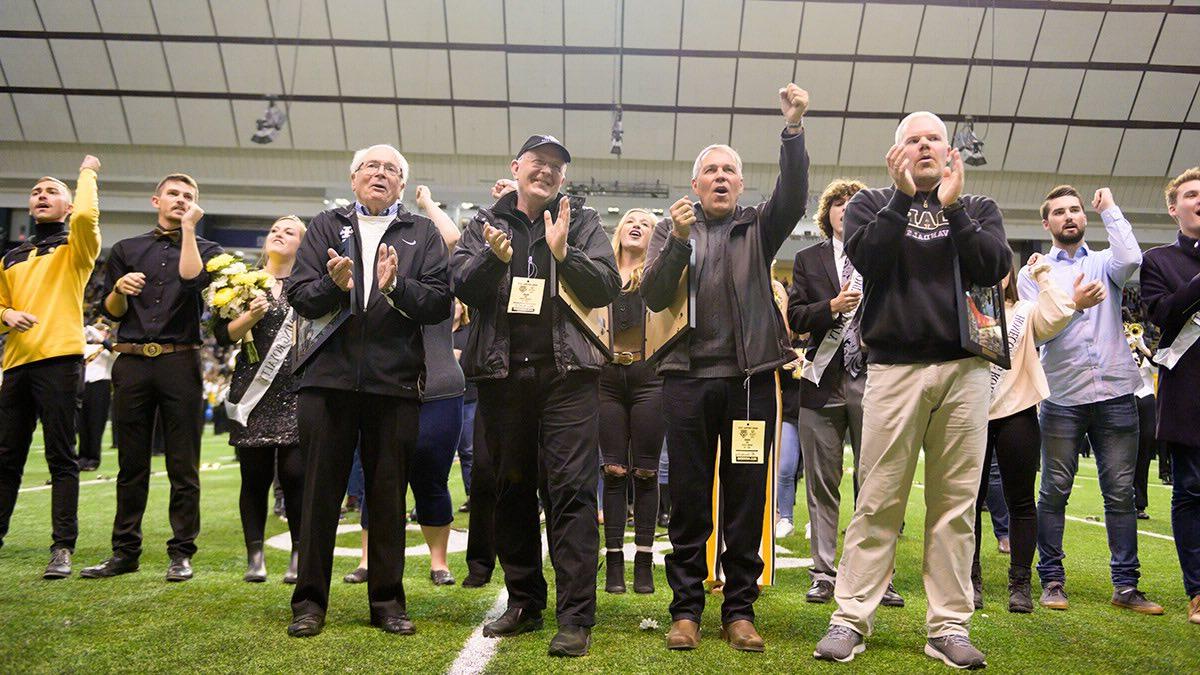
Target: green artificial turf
(217, 623)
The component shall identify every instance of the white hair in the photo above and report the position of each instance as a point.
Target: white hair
(737, 159)
(403, 163)
(920, 113)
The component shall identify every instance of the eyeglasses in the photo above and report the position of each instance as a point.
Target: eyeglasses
(374, 167)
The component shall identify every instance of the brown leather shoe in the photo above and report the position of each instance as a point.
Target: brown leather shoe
(741, 635)
(684, 634)
(1194, 610)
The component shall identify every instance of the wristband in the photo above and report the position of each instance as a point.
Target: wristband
(3, 312)
(953, 207)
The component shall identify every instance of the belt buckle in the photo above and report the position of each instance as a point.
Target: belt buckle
(152, 349)
(623, 358)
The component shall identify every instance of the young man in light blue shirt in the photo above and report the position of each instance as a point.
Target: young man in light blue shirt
(1092, 378)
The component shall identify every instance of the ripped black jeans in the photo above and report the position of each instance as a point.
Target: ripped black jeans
(631, 439)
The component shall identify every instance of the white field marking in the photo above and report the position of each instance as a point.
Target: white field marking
(113, 480)
(456, 544)
(1099, 522)
(478, 650)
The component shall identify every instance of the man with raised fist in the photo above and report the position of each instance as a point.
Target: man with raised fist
(1093, 383)
(41, 309)
(719, 381)
(924, 388)
(153, 290)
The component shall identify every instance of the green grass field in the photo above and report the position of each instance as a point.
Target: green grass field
(217, 623)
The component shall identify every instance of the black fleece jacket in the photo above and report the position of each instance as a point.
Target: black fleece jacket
(377, 350)
(905, 248)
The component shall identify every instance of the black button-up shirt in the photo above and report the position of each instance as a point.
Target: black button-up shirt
(168, 309)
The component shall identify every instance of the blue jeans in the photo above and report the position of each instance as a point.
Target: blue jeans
(1112, 429)
(997, 507)
(356, 486)
(1185, 512)
(789, 460)
(466, 444)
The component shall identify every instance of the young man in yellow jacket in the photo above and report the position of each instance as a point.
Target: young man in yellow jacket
(41, 309)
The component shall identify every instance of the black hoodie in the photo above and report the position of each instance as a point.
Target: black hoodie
(905, 247)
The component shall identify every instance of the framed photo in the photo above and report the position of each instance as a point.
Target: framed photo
(982, 326)
(596, 322)
(665, 328)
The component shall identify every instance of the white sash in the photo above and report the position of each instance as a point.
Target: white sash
(813, 370)
(1169, 356)
(1016, 328)
(267, 370)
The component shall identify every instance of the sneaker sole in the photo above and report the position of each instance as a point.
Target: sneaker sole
(55, 575)
(1057, 606)
(1149, 611)
(935, 654)
(856, 650)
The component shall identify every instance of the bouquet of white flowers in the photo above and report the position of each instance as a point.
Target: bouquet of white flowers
(233, 287)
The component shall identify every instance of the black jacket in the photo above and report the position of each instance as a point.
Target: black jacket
(1170, 280)
(482, 281)
(755, 235)
(815, 283)
(377, 350)
(905, 248)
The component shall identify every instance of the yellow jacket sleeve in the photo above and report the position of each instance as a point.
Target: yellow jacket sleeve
(84, 237)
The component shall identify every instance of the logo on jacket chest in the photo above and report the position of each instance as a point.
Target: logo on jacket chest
(346, 232)
(925, 225)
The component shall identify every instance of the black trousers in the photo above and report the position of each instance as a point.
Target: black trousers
(700, 412)
(385, 430)
(540, 428)
(93, 416)
(1016, 442)
(481, 535)
(169, 384)
(258, 474)
(1147, 449)
(631, 437)
(48, 390)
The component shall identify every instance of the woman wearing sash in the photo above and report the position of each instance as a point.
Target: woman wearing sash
(264, 428)
(1013, 433)
(631, 421)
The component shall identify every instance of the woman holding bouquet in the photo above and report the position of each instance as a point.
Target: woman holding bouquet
(262, 406)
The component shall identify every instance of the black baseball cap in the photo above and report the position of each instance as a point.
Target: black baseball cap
(538, 140)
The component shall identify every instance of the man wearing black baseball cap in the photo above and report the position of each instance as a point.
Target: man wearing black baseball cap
(537, 375)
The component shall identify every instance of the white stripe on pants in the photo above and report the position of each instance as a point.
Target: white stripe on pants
(943, 407)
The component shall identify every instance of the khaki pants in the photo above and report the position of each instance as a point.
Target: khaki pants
(943, 407)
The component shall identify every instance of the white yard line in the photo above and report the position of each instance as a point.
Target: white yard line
(156, 474)
(1077, 519)
(478, 650)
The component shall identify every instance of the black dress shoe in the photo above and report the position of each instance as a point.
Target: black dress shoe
(180, 569)
(571, 641)
(891, 598)
(466, 506)
(821, 592)
(399, 625)
(60, 565)
(441, 577)
(474, 580)
(358, 576)
(256, 564)
(513, 621)
(306, 625)
(291, 576)
(112, 567)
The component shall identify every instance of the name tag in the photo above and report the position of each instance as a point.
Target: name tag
(526, 295)
(748, 441)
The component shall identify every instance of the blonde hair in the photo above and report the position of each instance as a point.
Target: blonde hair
(635, 277)
(1171, 192)
(56, 181)
(292, 217)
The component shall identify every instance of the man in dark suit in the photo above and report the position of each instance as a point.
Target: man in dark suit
(822, 302)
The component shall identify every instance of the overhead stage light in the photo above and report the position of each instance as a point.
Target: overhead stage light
(969, 145)
(270, 124)
(618, 133)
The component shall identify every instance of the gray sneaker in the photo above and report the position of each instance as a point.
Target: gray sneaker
(1054, 596)
(839, 644)
(955, 651)
(1130, 597)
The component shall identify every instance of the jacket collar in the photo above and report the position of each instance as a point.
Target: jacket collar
(507, 205)
(350, 214)
(1188, 245)
(742, 215)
